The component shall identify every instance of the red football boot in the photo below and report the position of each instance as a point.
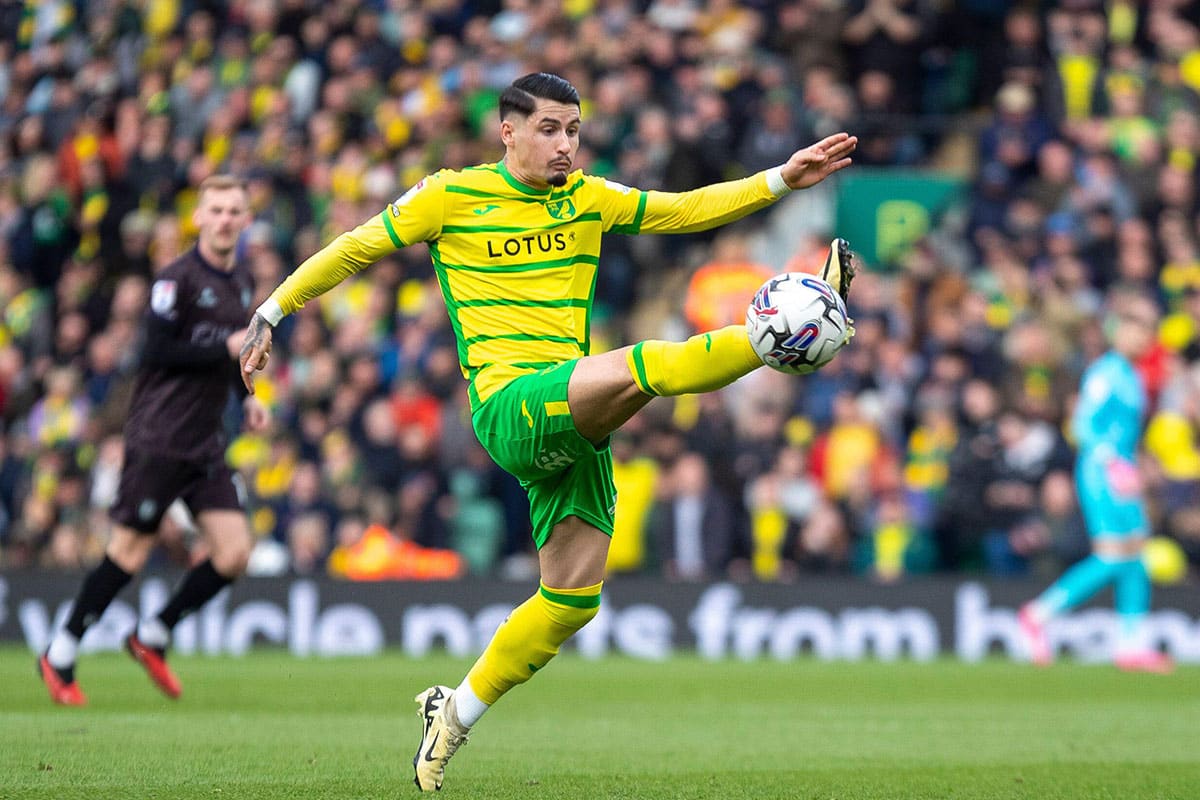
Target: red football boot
(155, 664)
(61, 692)
(1038, 645)
(1145, 661)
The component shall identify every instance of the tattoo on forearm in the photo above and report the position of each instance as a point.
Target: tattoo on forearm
(256, 332)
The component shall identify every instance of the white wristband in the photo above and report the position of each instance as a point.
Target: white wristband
(270, 311)
(776, 183)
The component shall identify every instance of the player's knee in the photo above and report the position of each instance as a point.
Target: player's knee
(231, 556)
(129, 549)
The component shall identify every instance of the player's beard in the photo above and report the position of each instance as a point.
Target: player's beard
(558, 174)
(222, 246)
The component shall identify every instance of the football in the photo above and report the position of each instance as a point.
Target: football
(797, 323)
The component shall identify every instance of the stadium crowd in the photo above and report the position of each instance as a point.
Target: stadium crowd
(935, 441)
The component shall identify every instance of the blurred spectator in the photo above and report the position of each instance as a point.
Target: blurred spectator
(1171, 441)
(693, 525)
(58, 418)
(308, 541)
(1055, 536)
(888, 36)
(962, 516)
(1017, 133)
(892, 546)
(719, 291)
(1028, 451)
(852, 456)
(636, 478)
(886, 140)
(782, 504)
(779, 136)
(477, 523)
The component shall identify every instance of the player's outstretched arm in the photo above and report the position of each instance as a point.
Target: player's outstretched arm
(817, 162)
(414, 217)
(722, 203)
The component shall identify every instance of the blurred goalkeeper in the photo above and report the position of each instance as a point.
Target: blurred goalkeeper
(174, 443)
(515, 246)
(1107, 424)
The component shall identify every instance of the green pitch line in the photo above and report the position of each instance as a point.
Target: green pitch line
(270, 726)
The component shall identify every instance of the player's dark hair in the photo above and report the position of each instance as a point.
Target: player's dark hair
(522, 94)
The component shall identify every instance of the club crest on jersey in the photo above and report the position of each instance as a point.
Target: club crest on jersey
(146, 509)
(162, 297)
(207, 298)
(561, 209)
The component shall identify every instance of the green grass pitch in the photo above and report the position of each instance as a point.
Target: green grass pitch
(271, 726)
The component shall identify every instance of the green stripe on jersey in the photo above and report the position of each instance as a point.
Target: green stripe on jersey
(533, 364)
(485, 302)
(439, 269)
(591, 216)
(636, 225)
(531, 266)
(570, 190)
(520, 337)
(456, 189)
(391, 231)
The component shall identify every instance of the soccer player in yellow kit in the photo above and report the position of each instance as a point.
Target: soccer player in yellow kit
(515, 246)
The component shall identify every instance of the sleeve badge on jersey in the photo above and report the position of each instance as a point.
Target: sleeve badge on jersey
(162, 297)
(404, 198)
(618, 187)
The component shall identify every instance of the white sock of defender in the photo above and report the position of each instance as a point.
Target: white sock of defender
(62, 651)
(467, 706)
(153, 633)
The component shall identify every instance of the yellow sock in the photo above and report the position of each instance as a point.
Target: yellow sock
(530, 637)
(703, 363)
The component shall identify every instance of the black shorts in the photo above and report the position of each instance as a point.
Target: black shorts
(150, 483)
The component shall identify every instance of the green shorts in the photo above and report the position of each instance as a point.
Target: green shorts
(526, 427)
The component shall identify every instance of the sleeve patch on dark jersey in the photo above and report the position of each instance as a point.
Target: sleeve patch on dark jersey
(162, 297)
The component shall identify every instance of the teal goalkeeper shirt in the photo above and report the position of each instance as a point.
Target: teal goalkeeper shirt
(1108, 415)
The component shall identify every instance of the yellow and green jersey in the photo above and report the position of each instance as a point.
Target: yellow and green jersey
(516, 265)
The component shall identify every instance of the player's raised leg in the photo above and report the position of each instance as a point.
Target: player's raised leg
(228, 535)
(707, 361)
(124, 557)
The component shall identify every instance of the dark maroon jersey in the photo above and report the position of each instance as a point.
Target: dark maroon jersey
(186, 372)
